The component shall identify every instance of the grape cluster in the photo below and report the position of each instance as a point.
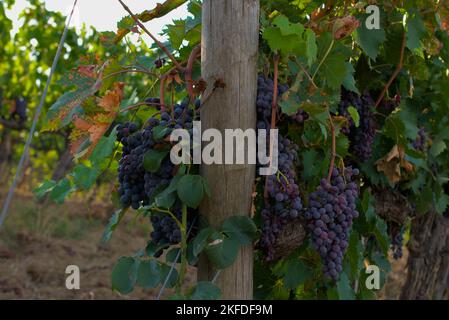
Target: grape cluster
(19, 112)
(421, 140)
(332, 208)
(182, 118)
(361, 137)
(159, 63)
(130, 170)
(265, 89)
(154, 102)
(283, 202)
(139, 187)
(387, 106)
(165, 229)
(300, 116)
(396, 245)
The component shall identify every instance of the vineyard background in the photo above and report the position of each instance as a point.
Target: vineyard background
(69, 203)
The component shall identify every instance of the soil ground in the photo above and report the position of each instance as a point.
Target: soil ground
(39, 241)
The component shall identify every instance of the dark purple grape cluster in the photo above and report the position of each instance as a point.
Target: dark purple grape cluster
(387, 106)
(265, 88)
(20, 111)
(300, 116)
(182, 118)
(139, 187)
(332, 208)
(130, 170)
(397, 244)
(420, 143)
(154, 102)
(159, 63)
(361, 137)
(284, 202)
(165, 229)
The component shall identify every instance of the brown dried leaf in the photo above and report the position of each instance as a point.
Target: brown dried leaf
(345, 26)
(94, 127)
(392, 163)
(88, 70)
(111, 100)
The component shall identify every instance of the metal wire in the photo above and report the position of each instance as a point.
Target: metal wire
(26, 149)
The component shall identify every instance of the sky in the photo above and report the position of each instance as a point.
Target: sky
(102, 14)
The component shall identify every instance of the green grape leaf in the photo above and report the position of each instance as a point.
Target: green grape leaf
(240, 228)
(112, 224)
(296, 273)
(61, 191)
(172, 255)
(152, 248)
(191, 190)
(44, 188)
(124, 275)
(201, 240)
(349, 81)
(415, 31)
(165, 199)
(334, 70)
(84, 176)
(380, 232)
(160, 132)
(153, 159)
(311, 47)
(205, 290)
(354, 115)
(442, 203)
(344, 289)
(149, 274)
(370, 40)
(286, 27)
(438, 146)
(104, 148)
(165, 271)
(222, 252)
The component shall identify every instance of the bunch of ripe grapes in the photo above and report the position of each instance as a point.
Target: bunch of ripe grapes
(362, 136)
(139, 187)
(283, 202)
(332, 208)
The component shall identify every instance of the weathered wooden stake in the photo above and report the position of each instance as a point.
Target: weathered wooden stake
(229, 54)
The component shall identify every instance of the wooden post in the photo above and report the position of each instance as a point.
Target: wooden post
(229, 53)
(428, 261)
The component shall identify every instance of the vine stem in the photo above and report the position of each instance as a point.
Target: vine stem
(183, 268)
(188, 72)
(162, 92)
(324, 58)
(333, 150)
(139, 104)
(395, 73)
(158, 43)
(307, 75)
(274, 103)
(128, 71)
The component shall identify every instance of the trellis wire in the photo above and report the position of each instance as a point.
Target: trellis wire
(35, 120)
